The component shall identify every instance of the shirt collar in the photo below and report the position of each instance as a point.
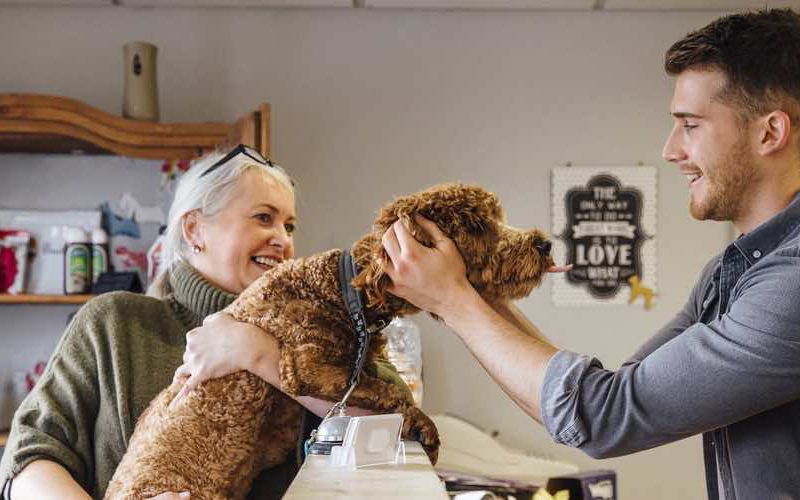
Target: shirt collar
(768, 236)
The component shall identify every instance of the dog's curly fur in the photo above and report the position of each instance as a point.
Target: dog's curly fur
(229, 429)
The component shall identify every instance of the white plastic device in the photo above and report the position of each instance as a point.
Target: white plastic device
(370, 440)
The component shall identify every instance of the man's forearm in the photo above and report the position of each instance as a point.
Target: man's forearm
(510, 348)
(44, 480)
(513, 315)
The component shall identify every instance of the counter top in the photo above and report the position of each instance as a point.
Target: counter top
(415, 479)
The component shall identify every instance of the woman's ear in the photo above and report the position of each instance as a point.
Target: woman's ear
(191, 228)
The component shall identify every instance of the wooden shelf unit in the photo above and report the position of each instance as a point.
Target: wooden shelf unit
(33, 123)
(3, 438)
(44, 299)
(46, 124)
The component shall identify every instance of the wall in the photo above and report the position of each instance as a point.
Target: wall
(368, 105)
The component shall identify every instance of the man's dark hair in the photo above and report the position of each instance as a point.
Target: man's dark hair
(759, 52)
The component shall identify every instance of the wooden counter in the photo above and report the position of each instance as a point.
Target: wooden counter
(415, 479)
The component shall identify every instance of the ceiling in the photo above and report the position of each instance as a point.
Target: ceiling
(542, 5)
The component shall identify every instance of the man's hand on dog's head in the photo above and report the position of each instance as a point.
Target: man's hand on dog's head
(430, 278)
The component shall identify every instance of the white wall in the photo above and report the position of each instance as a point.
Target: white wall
(371, 104)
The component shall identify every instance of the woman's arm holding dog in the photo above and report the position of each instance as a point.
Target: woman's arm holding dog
(511, 350)
(223, 345)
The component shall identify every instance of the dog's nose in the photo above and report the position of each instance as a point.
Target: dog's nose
(544, 247)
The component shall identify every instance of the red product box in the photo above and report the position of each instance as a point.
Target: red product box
(13, 260)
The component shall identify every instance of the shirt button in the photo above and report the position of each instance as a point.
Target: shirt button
(757, 254)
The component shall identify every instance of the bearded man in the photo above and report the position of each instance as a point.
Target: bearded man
(728, 364)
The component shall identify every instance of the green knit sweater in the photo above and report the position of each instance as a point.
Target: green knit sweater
(117, 354)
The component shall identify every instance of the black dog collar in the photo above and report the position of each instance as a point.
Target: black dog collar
(321, 445)
(355, 307)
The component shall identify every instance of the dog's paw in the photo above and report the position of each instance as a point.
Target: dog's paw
(419, 427)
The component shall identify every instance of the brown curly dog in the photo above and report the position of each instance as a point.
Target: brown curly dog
(229, 429)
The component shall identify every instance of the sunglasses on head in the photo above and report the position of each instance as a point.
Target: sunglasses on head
(240, 149)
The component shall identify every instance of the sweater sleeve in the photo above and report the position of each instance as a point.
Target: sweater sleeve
(55, 421)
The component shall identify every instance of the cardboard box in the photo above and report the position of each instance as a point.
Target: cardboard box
(587, 485)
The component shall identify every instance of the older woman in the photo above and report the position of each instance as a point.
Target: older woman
(232, 218)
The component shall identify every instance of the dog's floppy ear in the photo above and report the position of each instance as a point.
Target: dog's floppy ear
(372, 279)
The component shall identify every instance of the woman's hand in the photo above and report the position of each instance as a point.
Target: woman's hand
(223, 346)
(172, 496)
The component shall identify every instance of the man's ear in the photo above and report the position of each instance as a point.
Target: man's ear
(192, 229)
(774, 131)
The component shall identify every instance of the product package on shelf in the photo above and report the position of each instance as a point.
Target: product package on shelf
(13, 260)
(14, 389)
(586, 485)
(46, 228)
(131, 234)
(154, 256)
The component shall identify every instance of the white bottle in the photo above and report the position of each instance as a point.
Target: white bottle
(154, 256)
(404, 351)
(141, 92)
(99, 253)
(77, 261)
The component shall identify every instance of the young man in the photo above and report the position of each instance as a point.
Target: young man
(728, 365)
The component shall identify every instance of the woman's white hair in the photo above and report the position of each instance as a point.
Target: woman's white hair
(208, 194)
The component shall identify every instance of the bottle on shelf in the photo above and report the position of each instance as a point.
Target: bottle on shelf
(154, 256)
(77, 261)
(99, 253)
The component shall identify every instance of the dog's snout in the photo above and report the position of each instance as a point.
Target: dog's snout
(544, 247)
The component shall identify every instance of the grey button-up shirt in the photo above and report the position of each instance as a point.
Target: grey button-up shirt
(727, 366)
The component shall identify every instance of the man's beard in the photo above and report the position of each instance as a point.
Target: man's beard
(727, 185)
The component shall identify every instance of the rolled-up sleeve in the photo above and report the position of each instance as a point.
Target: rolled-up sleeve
(560, 393)
(711, 375)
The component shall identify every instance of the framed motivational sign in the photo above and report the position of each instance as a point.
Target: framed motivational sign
(604, 224)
